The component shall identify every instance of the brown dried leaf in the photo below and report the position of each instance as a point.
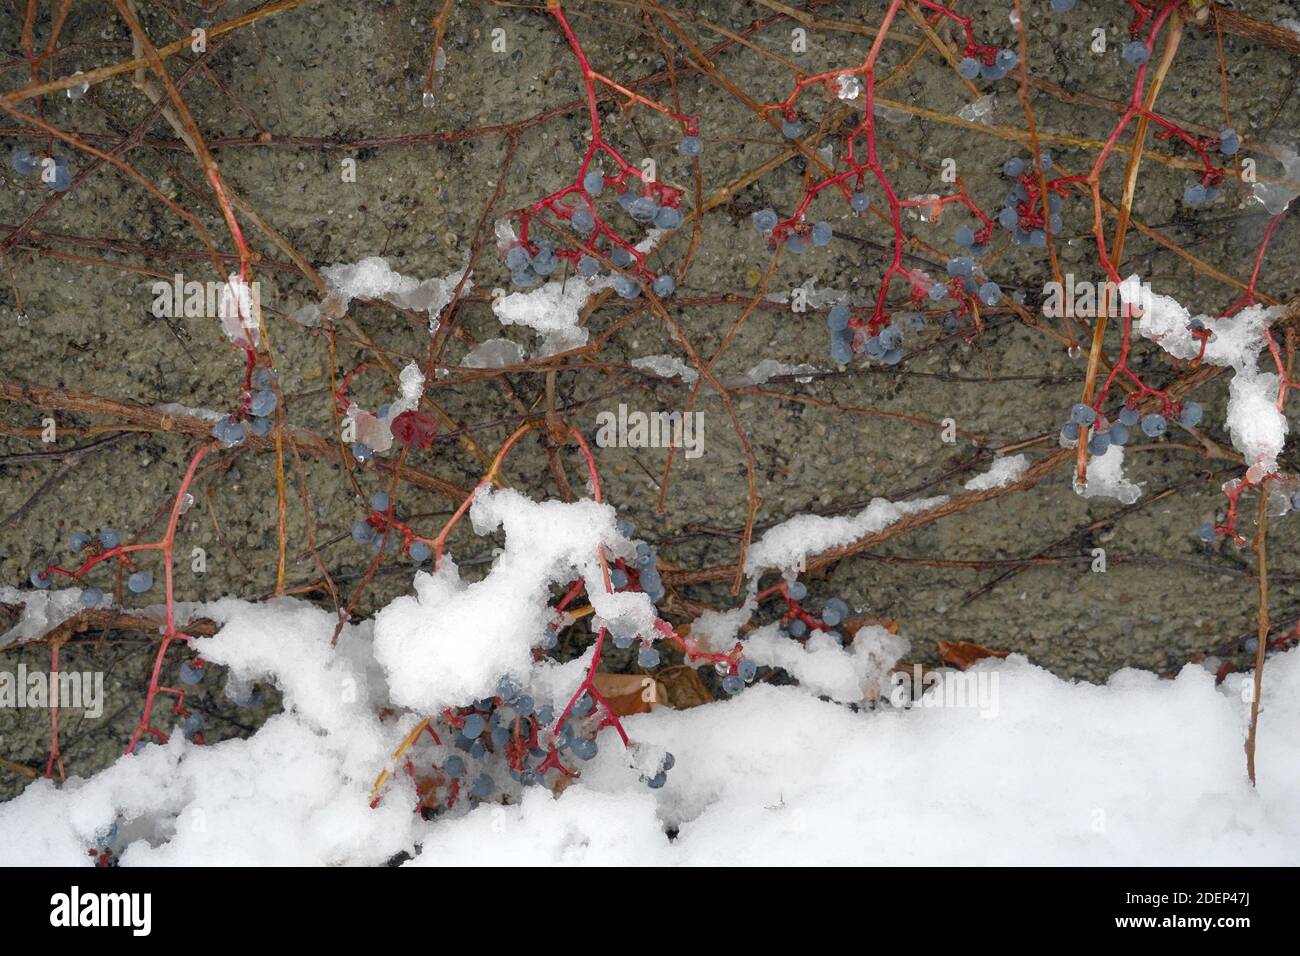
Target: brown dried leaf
(962, 654)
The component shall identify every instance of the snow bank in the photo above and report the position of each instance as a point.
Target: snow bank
(1140, 771)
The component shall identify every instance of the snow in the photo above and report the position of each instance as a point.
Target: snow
(825, 668)
(769, 369)
(666, 366)
(793, 541)
(493, 353)
(1106, 478)
(374, 278)
(1004, 470)
(42, 611)
(1139, 771)
(451, 642)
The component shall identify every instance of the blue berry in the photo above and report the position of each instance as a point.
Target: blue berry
(419, 552)
(764, 220)
(544, 263)
(1118, 433)
(139, 582)
(791, 128)
(747, 670)
(961, 266)
(822, 234)
(593, 183)
(109, 538)
(834, 612)
(964, 237)
(860, 202)
(583, 748)
(1191, 414)
(583, 221)
(1194, 194)
(621, 257)
(582, 706)
(24, 161)
(837, 320)
(454, 766)
(518, 259)
(588, 267)
(1136, 52)
(1007, 59)
(40, 578)
(192, 726)
(626, 288)
(990, 292)
(1153, 426)
(228, 432)
(1009, 218)
(969, 67)
(1206, 532)
(841, 347)
(482, 787)
(262, 403)
(617, 578)
(524, 278)
(648, 657)
(797, 590)
(379, 501)
(1013, 167)
(657, 781)
(474, 726)
(664, 285)
(261, 427)
(1229, 142)
(263, 379)
(1099, 443)
(1082, 414)
(733, 684)
(1069, 433)
(91, 597)
(190, 675)
(362, 532)
(1129, 416)
(668, 217)
(78, 541)
(797, 628)
(690, 146)
(795, 244)
(642, 209)
(992, 71)
(1063, 6)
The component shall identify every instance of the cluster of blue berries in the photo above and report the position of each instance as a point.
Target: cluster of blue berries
(230, 430)
(54, 174)
(366, 531)
(1206, 190)
(1003, 63)
(529, 268)
(1027, 227)
(800, 237)
(1119, 432)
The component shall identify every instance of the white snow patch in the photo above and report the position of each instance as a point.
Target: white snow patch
(792, 542)
(1004, 470)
